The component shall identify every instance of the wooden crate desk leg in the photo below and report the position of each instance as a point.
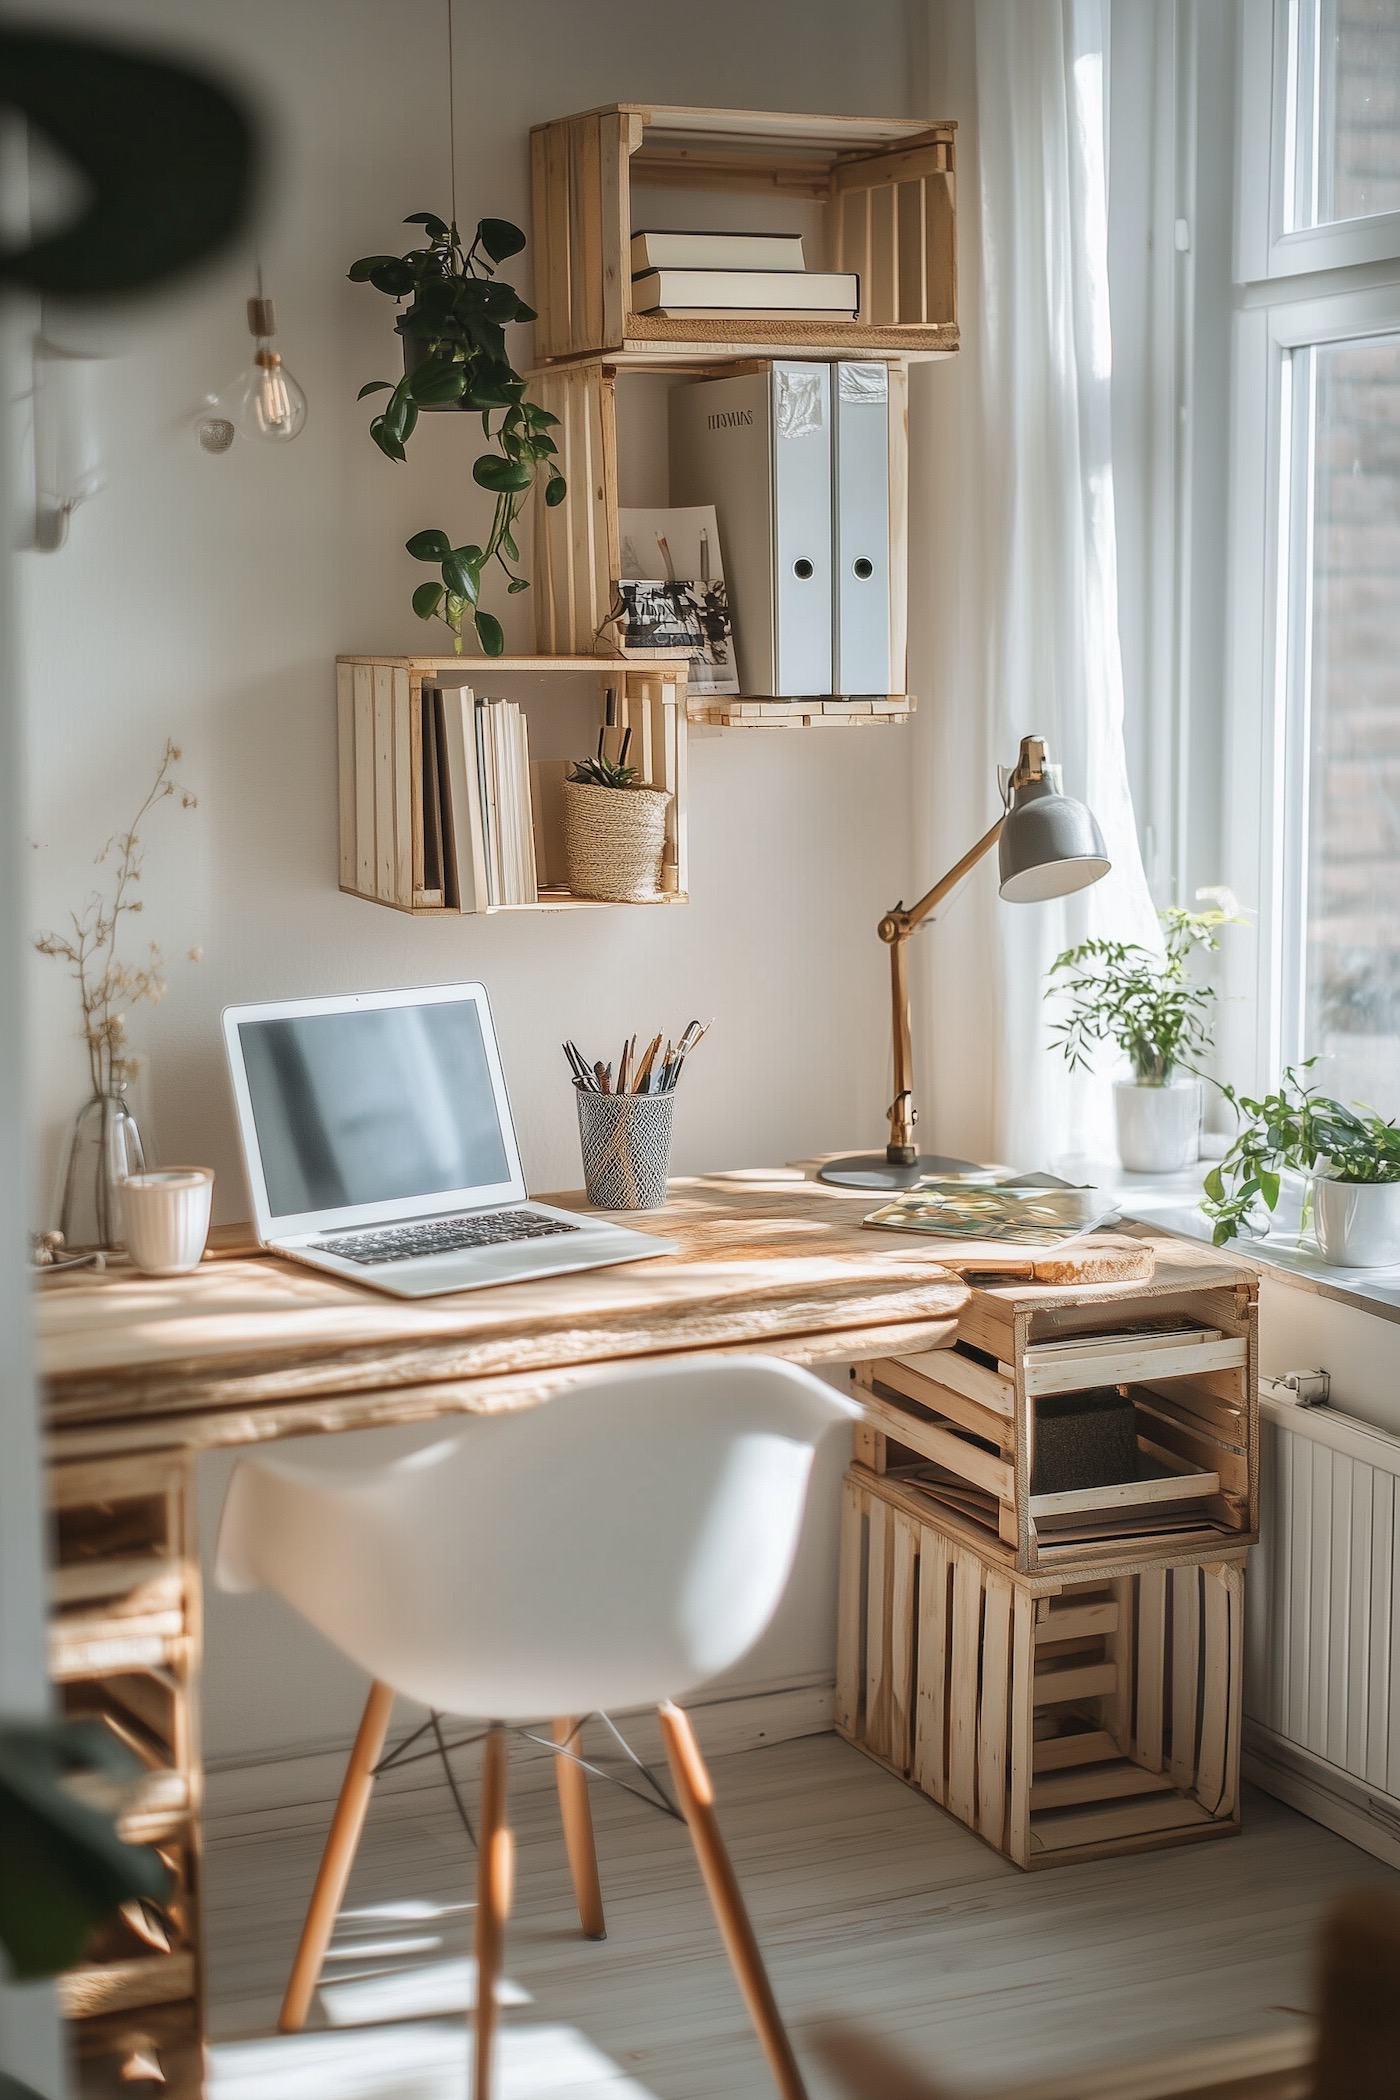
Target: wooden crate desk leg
(1061, 1718)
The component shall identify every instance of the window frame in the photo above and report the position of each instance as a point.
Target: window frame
(1293, 291)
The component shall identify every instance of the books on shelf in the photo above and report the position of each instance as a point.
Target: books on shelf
(688, 291)
(478, 829)
(716, 251)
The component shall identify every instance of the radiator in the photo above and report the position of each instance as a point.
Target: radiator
(1322, 1673)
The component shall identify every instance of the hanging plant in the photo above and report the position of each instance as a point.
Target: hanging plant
(455, 357)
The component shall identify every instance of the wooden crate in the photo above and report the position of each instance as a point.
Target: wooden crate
(379, 716)
(887, 186)
(578, 551)
(1062, 1719)
(959, 1425)
(124, 1649)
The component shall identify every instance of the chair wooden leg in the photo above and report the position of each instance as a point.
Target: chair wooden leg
(495, 1877)
(697, 1799)
(578, 1833)
(338, 1858)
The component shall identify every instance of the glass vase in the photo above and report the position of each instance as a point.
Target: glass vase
(105, 1146)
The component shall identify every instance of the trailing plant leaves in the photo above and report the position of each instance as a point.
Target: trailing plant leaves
(461, 576)
(438, 380)
(518, 583)
(500, 239)
(556, 489)
(374, 386)
(431, 545)
(430, 222)
(490, 633)
(389, 445)
(360, 272)
(501, 475)
(427, 598)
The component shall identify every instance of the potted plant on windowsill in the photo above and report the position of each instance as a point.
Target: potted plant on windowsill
(455, 357)
(1352, 1155)
(1120, 992)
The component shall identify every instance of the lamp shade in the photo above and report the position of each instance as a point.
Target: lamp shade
(1050, 844)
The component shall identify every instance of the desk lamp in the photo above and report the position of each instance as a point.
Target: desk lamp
(1049, 845)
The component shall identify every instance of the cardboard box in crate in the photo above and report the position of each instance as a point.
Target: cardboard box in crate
(961, 1423)
(1061, 1718)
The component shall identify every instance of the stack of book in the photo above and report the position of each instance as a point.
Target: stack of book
(478, 836)
(733, 274)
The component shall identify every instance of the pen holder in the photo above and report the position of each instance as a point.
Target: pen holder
(626, 1140)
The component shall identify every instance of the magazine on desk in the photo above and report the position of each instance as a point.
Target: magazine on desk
(1030, 1210)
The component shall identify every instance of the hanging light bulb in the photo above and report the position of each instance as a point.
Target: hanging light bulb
(269, 403)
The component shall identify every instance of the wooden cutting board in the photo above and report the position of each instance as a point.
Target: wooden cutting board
(1105, 1257)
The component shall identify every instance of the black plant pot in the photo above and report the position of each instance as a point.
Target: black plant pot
(415, 352)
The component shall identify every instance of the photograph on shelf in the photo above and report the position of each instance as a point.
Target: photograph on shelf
(672, 592)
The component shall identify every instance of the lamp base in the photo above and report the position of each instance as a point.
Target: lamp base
(871, 1170)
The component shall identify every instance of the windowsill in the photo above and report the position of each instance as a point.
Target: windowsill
(1171, 1203)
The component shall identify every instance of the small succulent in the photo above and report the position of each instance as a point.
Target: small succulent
(602, 772)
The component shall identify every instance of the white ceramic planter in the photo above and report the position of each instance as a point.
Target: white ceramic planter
(1358, 1222)
(1159, 1127)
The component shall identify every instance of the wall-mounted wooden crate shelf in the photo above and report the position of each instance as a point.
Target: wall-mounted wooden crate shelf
(886, 185)
(379, 712)
(578, 557)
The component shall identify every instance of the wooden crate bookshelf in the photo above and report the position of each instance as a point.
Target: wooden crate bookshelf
(124, 1648)
(379, 715)
(578, 557)
(1062, 1718)
(886, 185)
(958, 1426)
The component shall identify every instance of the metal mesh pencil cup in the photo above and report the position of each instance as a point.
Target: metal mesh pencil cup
(626, 1140)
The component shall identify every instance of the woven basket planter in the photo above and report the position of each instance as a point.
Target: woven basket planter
(614, 839)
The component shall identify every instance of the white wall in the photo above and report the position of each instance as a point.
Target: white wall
(205, 599)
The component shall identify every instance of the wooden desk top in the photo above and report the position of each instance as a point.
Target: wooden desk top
(248, 1349)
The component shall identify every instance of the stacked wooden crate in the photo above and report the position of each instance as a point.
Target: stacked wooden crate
(124, 1643)
(1062, 1671)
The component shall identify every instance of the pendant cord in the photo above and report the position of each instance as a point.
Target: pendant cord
(451, 116)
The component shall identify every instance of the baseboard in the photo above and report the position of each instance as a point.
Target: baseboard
(257, 1792)
(1323, 1792)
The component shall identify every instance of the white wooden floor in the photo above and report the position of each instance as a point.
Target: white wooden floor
(871, 1905)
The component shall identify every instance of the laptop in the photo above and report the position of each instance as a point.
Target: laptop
(378, 1143)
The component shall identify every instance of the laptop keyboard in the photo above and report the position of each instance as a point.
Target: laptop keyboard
(486, 1228)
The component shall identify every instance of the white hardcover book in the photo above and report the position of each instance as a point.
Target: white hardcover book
(487, 711)
(463, 848)
(513, 726)
(759, 448)
(506, 802)
(746, 291)
(716, 251)
(529, 875)
(860, 414)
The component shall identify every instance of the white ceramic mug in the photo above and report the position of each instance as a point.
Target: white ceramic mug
(165, 1218)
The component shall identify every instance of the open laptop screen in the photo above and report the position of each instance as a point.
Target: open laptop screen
(385, 1103)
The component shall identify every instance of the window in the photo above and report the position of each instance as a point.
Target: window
(1344, 90)
(1342, 825)
(1317, 405)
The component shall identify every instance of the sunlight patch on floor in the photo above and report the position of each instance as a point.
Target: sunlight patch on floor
(424, 2061)
(418, 1993)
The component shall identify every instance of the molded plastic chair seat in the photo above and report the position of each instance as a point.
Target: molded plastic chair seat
(610, 1550)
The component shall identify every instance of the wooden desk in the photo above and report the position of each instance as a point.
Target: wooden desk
(140, 1374)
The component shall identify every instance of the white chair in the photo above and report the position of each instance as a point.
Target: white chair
(610, 1550)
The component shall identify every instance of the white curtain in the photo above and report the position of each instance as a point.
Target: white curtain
(1018, 630)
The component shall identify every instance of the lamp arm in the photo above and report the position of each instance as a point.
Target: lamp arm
(894, 929)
